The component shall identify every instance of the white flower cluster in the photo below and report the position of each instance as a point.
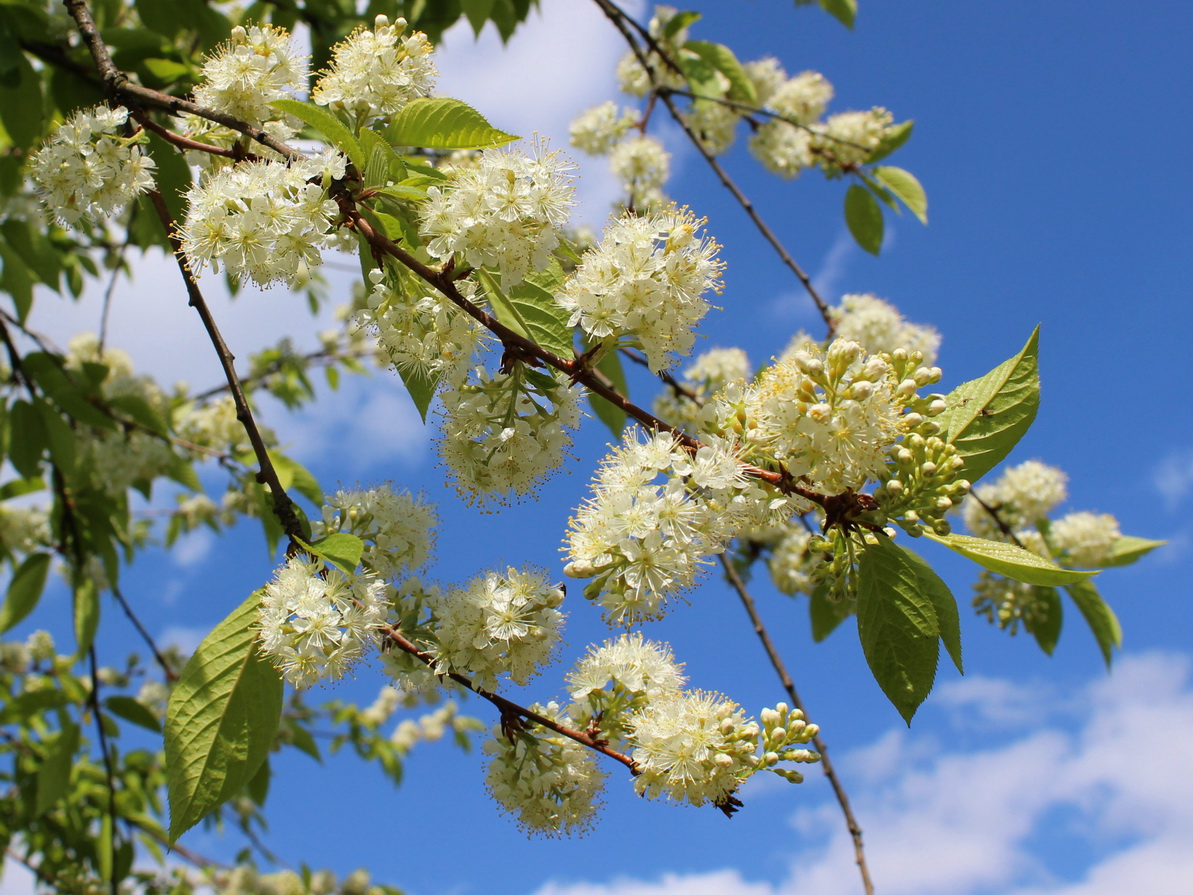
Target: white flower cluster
(645, 283)
(848, 139)
(23, 528)
(214, 425)
(498, 623)
(549, 782)
(656, 513)
(1022, 496)
(397, 527)
(643, 166)
(316, 621)
(597, 130)
(879, 327)
(633, 79)
(425, 336)
(87, 170)
(507, 431)
(503, 213)
(791, 563)
(708, 373)
(265, 220)
(378, 72)
(254, 67)
(1084, 539)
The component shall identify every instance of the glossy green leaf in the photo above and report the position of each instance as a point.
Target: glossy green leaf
(1046, 618)
(86, 612)
(383, 165)
(53, 773)
(897, 624)
(421, 390)
(892, 139)
(677, 23)
(443, 123)
(1128, 549)
(904, 185)
(943, 603)
(844, 11)
(1009, 560)
(986, 417)
(1099, 616)
(531, 311)
(132, 711)
(221, 720)
(26, 439)
(25, 589)
(864, 218)
(612, 416)
(826, 614)
(328, 125)
(340, 549)
(720, 57)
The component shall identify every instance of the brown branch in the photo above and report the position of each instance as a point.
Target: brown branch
(1003, 527)
(395, 637)
(855, 831)
(619, 19)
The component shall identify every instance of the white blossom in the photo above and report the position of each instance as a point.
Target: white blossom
(254, 67)
(1084, 539)
(503, 213)
(378, 72)
(790, 563)
(645, 282)
(640, 667)
(87, 169)
(643, 166)
(1022, 496)
(596, 130)
(316, 621)
(397, 527)
(879, 327)
(849, 138)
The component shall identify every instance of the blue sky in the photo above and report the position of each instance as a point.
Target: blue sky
(1052, 142)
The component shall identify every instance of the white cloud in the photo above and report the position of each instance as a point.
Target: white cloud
(187, 639)
(828, 276)
(1173, 477)
(192, 548)
(1111, 761)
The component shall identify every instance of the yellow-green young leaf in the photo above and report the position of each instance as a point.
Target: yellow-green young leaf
(28, 581)
(897, 624)
(530, 310)
(677, 23)
(986, 417)
(103, 847)
(700, 74)
(221, 719)
(1100, 617)
(720, 57)
(892, 139)
(1009, 560)
(904, 185)
(1045, 620)
(86, 612)
(130, 710)
(382, 163)
(864, 218)
(328, 125)
(339, 548)
(1128, 549)
(53, 774)
(443, 123)
(844, 11)
(293, 476)
(943, 603)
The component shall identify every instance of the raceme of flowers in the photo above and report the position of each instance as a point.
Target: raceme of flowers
(87, 169)
(397, 527)
(316, 621)
(255, 66)
(644, 283)
(504, 213)
(264, 220)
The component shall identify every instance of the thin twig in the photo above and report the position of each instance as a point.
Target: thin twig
(93, 700)
(619, 19)
(171, 674)
(855, 831)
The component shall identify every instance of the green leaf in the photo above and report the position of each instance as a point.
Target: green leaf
(173, 175)
(28, 582)
(986, 417)
(130, 710)
(892, 139)
(864, 218)
(26, 439)
(328, 125)
(383, 165)
(302, 740)
(720, 57)
(844, 11)
(1100, 617)
(904, 185)
(478, 12)
(135, 408)
(826, 614)
(897, 625)
(443, 123)
(293, 476)
(421, 390)
(703, 78)
(340, 549)
(1044, 623)
(943, 603)
(531, 311)
(86, 612)
(16, 278)
(1128, 549)
(53, 773)
(258, 786)
(21, 108)
(221, 720)
(677, 23)
(1009, 560)
(611, 415)
(61, 438)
